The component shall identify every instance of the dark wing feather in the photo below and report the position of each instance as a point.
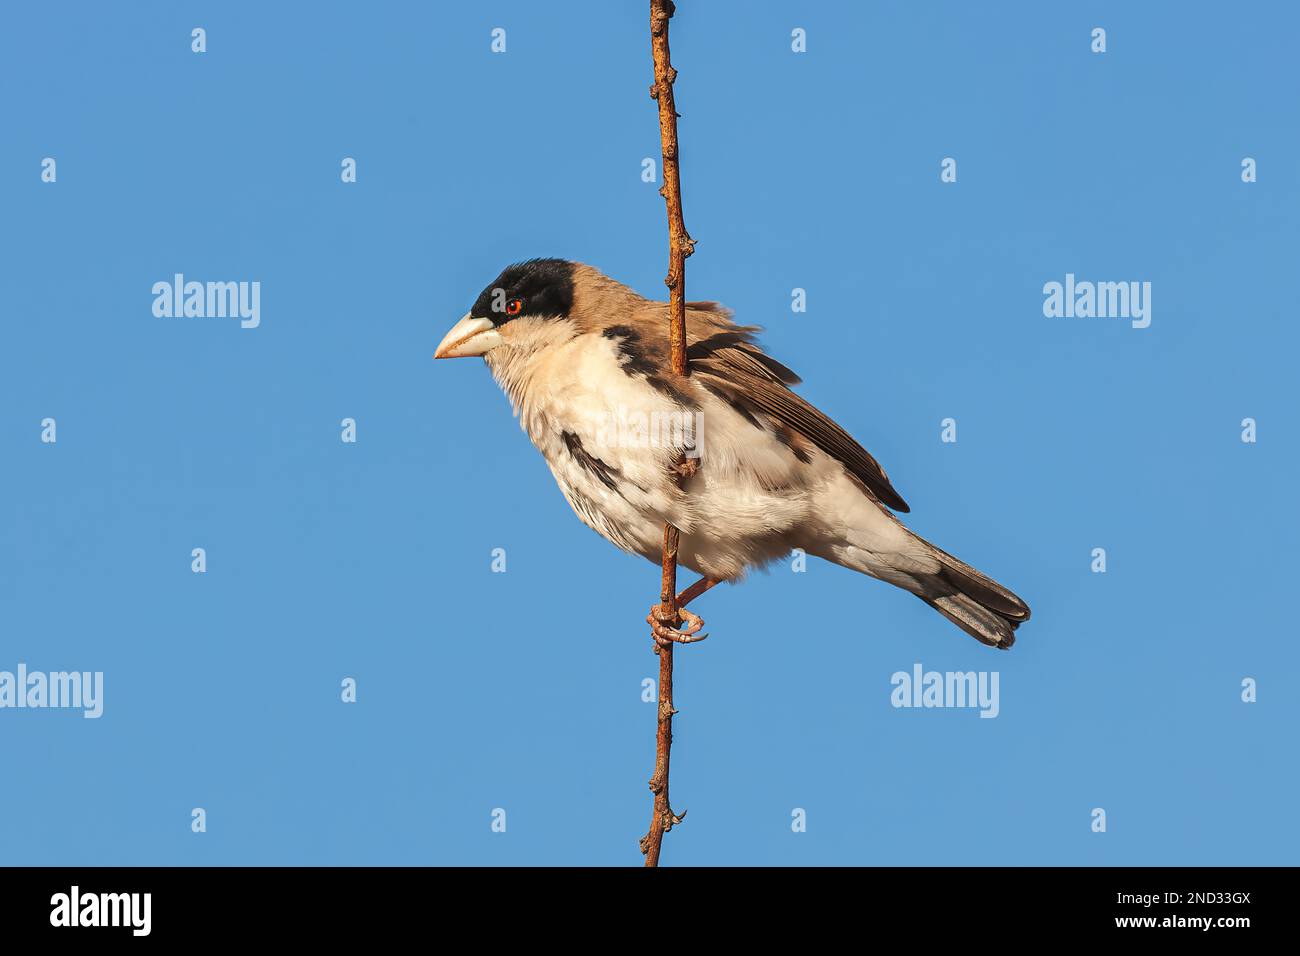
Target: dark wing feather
(733, 367)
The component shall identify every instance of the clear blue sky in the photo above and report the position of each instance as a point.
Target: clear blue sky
(523, 690)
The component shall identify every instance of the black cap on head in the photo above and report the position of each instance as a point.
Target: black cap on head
(538, 287)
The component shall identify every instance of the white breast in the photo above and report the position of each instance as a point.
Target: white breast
(751, 501)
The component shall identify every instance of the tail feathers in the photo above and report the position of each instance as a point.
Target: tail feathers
(975, 619)
(974, 602)
(982, 588)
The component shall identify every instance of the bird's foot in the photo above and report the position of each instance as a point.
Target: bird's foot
(664, 626)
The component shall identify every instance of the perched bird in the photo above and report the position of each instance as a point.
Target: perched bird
(585, 361)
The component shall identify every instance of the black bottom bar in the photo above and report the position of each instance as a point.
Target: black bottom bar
(377, 904)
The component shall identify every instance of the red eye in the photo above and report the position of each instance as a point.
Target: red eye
(514, 306)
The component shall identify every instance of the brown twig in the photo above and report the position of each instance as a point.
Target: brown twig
(680, 245)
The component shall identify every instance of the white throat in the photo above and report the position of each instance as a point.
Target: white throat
(530, 348)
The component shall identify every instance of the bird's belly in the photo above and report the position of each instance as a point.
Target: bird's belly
(728, 527)
(623, 525)
(749, 505)
(735, 526)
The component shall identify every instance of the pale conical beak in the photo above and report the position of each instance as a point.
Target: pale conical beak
(469, 336)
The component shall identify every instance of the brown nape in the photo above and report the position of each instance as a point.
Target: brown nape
(601, 303)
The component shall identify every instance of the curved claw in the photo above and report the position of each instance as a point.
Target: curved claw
(665, 634)
(694, 623)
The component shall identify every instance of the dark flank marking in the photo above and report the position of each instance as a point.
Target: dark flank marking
(592, 464)
(632, 357)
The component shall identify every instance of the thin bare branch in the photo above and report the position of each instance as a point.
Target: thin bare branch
(667, 616)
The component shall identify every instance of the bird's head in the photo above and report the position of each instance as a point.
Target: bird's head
(514, 305)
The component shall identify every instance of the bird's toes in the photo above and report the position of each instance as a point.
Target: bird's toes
(664, 626)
